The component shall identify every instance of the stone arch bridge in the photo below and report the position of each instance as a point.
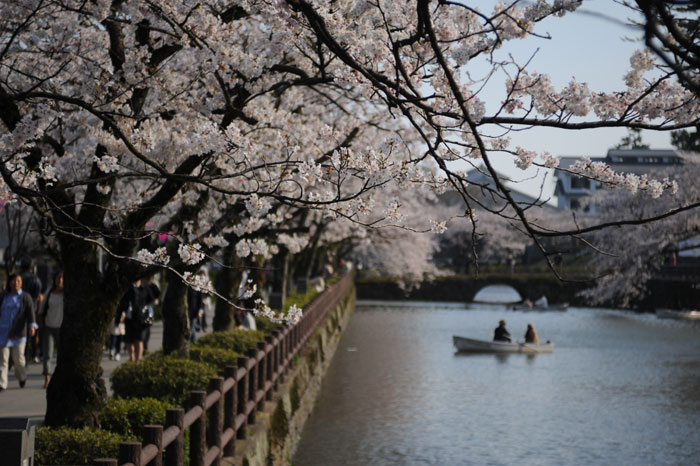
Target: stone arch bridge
(464, 288)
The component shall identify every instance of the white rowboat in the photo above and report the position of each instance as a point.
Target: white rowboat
(469, 345)
(534, 307)
(671, 314)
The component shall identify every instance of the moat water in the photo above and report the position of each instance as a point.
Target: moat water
(619, 389)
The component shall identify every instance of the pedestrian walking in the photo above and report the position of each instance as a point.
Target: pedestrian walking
(16, 321)
(151, 292)
(195, 309)
(133, 306)
(32, 285)
(50, 319)
(117, 330)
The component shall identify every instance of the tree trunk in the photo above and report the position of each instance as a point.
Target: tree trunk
(291, 274)
(227, 283)
(77, 391)
(176, 323)
(286, 277)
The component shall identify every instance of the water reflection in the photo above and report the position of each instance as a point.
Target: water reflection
(618, 389)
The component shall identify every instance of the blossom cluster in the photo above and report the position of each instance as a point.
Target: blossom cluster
(250, 289)
(198, 282)
(190, 254)
(158, 257)
(256, 247)
(600, 171)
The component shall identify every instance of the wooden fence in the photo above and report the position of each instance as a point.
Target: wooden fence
(219, 416)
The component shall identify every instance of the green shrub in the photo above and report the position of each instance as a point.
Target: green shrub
(265, 325)
(168, 378)
(300, 299)
(128, 417)
(65, 445)
(238, 340)
(215, 357)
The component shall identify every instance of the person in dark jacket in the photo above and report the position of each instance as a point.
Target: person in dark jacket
(16, 320)
(32, 285)
(152, 293)
(129, 309)
(500, 333)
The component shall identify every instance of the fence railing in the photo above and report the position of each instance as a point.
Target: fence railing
(219, 416)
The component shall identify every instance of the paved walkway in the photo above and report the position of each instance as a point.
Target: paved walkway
(30, 401)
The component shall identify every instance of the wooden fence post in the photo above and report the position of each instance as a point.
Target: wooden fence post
(230, 410)
(270, 366)
(253, 383)
(216, 418)
(130, 452)
(285, 353)
(198, 430)
(293, 332)
(262, 373)
(104, 462)
(277, 349)
(154, 434)
(243, 395)
(175, 452)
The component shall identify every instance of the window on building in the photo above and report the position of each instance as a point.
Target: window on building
(579, 183)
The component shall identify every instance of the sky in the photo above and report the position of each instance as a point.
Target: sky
(593, 45)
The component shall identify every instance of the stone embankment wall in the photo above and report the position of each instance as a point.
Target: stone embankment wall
(273, 439)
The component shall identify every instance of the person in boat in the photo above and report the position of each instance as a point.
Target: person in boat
(542, 302)
(500, 333)
(531, 335)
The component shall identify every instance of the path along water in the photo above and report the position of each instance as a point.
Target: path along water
(620, 388)
(30, 401)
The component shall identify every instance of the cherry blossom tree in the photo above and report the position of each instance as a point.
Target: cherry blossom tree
(671, 32)
(216, 125)
(125, 122)
(633, 253)
(414, 56)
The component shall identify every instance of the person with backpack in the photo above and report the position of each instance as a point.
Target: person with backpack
(51, 317)
(137, 319)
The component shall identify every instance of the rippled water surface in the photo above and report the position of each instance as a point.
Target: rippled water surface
(619, 389)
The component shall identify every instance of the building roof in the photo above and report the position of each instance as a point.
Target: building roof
(634, 153)
(637, 161)
(477, 178)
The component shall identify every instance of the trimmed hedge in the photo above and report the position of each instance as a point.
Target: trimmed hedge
(65, 445)
(265, 325)
(169, 378)
(215, 357)
(238, 340)
(300, 299)
(127, 417)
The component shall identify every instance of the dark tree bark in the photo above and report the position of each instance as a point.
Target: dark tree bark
(227, 283)
(176, 324)
(77, 391)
